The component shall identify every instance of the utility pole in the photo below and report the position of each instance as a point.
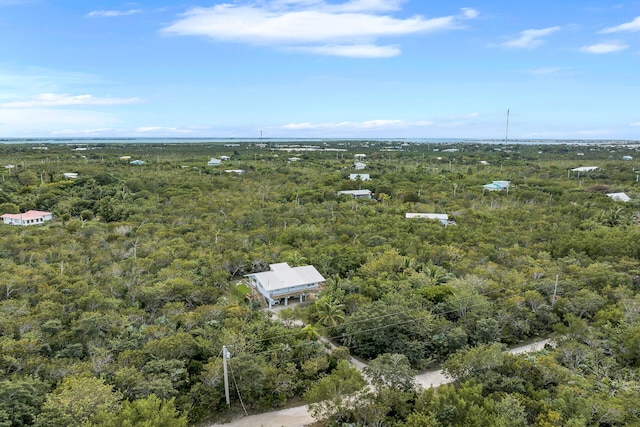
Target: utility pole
(506, 136)
(225, 356)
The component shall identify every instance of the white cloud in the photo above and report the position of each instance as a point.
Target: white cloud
(632, 26)
(529, 39)
(369, 124)
(635, 124)
(71, 132)
(111, 13)
(44, 121)
(570, 134)
(63, 100)
(161, 129)
(545, 71)
(600, 48)
(352, 51)
(469, 13)
(351, 28)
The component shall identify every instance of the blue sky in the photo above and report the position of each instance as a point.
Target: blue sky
(310, 68)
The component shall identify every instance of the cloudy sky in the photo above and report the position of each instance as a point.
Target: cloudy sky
(320, 68)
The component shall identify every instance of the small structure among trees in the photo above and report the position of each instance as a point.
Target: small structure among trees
(360, 176)
(619, 197)
(443, 218)
(356, 194)
(497, 186)
(27, 218)
(284, 281)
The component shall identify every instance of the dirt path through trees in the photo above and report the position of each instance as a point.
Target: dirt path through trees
(299, 416)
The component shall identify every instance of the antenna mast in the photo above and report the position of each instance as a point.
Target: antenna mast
(506, 136)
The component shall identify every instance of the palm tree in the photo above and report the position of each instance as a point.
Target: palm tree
(310, 333)
(329, 312)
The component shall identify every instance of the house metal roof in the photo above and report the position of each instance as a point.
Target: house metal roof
(27, 215)
(283, 276)
(356, 192)
(427, 216)
(619, 197)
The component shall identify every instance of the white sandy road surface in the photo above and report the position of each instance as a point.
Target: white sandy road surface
(299, 416)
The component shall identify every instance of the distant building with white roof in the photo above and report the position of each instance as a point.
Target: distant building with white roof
(619, 197)
(359, 165)
(497, 185)
(356, 194)
(443, 218)
(360, 176)
(283, 282)
(585, 169)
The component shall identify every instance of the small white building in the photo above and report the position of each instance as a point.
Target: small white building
(619, 197)
(627, 157)
(284, 282)
(27, 218)
(214, 162)
(360, 156)
(443, 218)
(294, 159)
(356, 194)
(359, 165)
(360, 176)
(497, 186)
(70, 175)
(236, 171)
(225, 158)
(585, 169)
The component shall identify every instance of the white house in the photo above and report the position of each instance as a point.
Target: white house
(70, 175)
(627, 157)
(360, 156)
(214, 162)
(361, 176)
(585, 169)
(236, 171)
(27, 218)
(443, 218)
(359, 165)
(284, 282)
(497, 186)
(619, 197)
(225, 158)
(357, 194)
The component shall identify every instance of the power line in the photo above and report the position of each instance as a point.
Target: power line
(374, 328)
(408, 312)
(238, 390)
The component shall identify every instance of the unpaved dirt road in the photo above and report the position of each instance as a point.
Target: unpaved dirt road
(300, 416)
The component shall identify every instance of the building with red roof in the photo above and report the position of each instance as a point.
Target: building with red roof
(27, 218)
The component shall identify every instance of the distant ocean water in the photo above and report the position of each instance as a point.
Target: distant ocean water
(307, 141)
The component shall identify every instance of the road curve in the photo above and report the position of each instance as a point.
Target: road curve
(299, 416)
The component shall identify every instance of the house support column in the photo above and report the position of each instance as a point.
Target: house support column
(300, 298)
(286, 300)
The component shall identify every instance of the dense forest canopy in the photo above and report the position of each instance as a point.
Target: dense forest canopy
(116, 311)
